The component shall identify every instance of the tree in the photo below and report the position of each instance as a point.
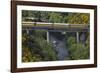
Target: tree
(78, 18)
(36, 48)
(55, 17)
(77, 50)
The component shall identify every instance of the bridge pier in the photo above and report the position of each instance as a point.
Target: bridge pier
(83, 37)
(27, 31)
(47, 36)
(77, 37)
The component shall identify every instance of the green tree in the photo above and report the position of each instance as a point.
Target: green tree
(36, 48)
(55, 17)
(78, 50)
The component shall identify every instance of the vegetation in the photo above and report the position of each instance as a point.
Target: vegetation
(36, 48)
(78, 18)
(78, 50)
(57, 17)
(45, 16)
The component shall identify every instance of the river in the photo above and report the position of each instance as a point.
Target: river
(58, 41)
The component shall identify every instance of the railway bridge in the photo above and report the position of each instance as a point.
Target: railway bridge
(56, 27)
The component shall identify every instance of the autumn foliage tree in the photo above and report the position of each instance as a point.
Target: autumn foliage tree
(78, 18)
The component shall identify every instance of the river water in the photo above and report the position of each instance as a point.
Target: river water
(58, 41)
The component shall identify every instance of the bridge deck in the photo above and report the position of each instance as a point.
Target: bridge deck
(55, 26)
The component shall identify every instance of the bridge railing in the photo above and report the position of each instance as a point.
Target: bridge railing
(55, 25)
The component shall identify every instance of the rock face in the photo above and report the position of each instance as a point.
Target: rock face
(58, 40)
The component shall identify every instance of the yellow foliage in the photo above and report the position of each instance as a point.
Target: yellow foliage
(78, 18)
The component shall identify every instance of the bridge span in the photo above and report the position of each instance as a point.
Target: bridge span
(56, 27)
